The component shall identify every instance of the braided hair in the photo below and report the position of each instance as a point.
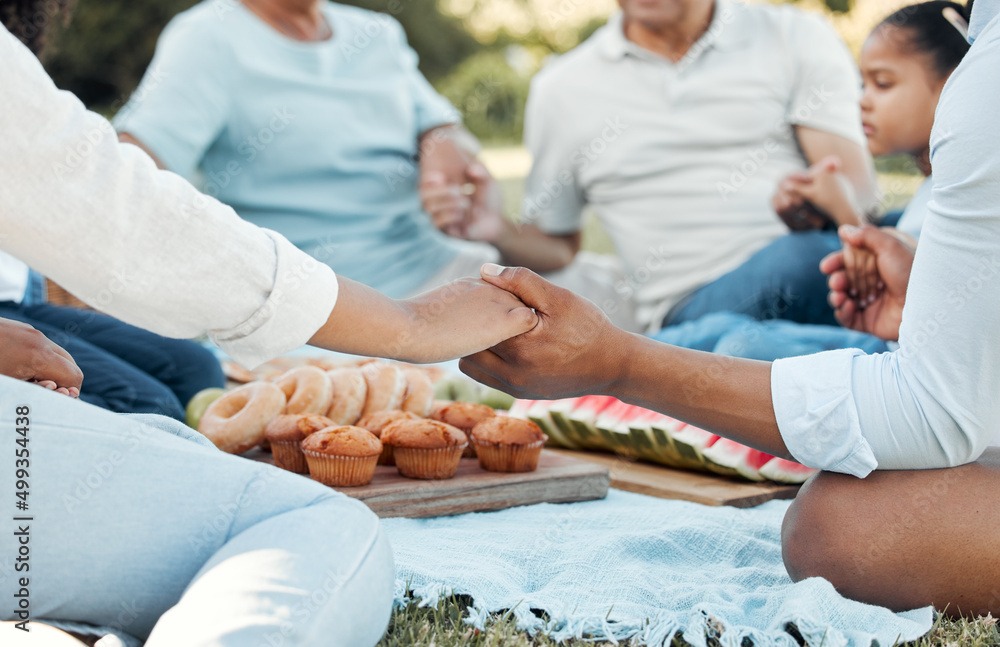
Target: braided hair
(29, 20)
(937, 29)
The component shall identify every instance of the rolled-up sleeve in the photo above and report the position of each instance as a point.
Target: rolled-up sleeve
(934, 402)
(138, 243)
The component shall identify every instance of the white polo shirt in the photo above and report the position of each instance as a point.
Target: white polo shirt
(680, 160)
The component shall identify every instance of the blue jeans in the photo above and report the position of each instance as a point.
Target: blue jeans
(125, 369)
(141, 525)
(736, 335)
(781, 281)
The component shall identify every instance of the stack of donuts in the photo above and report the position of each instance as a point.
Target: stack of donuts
(338, 424)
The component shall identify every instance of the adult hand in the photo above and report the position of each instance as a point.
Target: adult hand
(893, 261)
(574, 349)
(472, 209)
(28, 355)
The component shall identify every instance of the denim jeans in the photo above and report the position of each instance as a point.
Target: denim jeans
(781, 281)
(126, 369)
(736, 335)
(140, 524)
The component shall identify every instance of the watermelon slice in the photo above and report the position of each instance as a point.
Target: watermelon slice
(640, 425)
(538, 413)
(690, 442)
(727, 456)
(615, 431)
(782, 471)
(559, 411)
(584, 418)
(520, 409)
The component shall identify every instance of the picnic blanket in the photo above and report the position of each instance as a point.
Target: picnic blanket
(635, 567)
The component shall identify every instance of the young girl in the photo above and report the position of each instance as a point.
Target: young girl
(905, 64)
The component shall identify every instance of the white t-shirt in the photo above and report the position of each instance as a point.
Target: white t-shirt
(680, 160)
(935, 402)
(138, 243)
(13, 278)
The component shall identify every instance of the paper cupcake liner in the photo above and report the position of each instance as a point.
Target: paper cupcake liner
(288, 456)
(503, 457)
(387, 457)
(470, 451)
(341, 471)
(416, 463)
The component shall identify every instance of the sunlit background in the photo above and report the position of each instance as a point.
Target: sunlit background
(480, 54)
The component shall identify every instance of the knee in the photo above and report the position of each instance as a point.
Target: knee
(816, 531)
(359, 607)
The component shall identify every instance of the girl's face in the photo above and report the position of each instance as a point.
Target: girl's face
(901, 92)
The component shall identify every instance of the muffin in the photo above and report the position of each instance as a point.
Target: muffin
(342, 456)
(285, 434)
(425, 449)
(465, 416)
(377, 421)
(506, 444)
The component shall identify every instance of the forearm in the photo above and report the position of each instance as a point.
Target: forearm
(528, 246)
(726, 395)
(365, 322)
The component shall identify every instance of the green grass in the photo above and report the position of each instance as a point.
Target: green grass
(443, 626)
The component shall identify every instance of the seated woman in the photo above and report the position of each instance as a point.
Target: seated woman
(905, 64)
(138, 523)
(126, 369)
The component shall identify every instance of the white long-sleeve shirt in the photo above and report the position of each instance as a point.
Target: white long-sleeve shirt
(936, 401)
(138, 243)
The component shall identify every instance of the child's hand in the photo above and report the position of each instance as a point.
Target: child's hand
(824, 187)
(862, 274)
(893, 261)
(459, 319)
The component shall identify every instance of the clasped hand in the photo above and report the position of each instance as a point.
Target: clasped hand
(868, 280)
(28, 355)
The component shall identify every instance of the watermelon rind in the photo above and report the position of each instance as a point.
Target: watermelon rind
(780, 470)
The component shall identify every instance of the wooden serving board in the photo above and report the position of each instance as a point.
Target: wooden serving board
(558, 479)
(668, 483)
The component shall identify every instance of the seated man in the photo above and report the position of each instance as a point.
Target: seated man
(126, 369)
(675, 122)
(308, 119)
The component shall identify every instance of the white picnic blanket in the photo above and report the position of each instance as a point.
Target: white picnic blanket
(633, 566)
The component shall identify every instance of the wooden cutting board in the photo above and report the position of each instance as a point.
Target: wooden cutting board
(558, 479)
(668, 483)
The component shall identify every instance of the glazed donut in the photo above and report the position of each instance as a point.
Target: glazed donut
(235, 422)
(307, 390)
(386, 387)
(350, 390)
(419, 396)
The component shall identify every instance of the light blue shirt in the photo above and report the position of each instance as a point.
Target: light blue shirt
(315, 140)
(935, 402)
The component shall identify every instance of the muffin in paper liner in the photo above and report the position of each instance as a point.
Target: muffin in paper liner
(505, 457)
(288, 456)
(341, 471)
(387, 457)
(422, 463)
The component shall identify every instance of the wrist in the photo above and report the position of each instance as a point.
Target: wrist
(621, 362)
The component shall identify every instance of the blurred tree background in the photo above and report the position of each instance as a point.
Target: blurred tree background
(481, 54)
